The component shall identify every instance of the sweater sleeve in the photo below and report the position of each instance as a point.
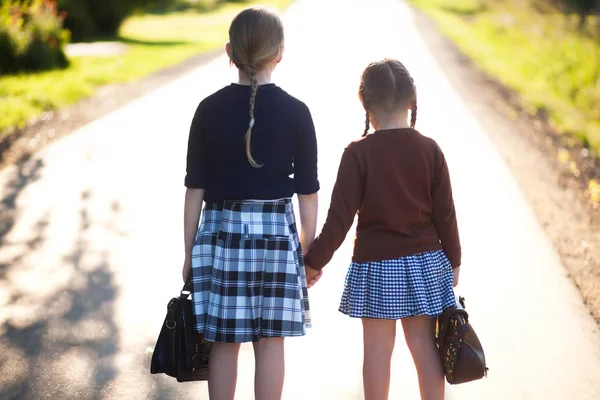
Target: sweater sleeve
(345, 202)
(305, 155)
(196, 152)
(444, 213)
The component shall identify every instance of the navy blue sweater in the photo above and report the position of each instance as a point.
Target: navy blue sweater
(283, 141)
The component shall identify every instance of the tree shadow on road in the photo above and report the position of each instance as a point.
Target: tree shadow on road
(59, 337)
(27, 172)
(57, 341)
(127, 40)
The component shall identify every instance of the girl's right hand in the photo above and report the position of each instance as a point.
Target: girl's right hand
(186, 273)
(456, 273)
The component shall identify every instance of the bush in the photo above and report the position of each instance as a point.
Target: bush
(87, 19)
(32, 37)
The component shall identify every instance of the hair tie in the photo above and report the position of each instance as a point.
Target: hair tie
(252, 123)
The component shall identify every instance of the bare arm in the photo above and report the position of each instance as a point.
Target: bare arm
(309, 204)
(195, 182)
(191, 218)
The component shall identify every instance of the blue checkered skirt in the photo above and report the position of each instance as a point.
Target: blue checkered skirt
(248, 272)
(420, 284)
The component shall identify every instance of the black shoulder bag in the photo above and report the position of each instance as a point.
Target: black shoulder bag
(180, 351)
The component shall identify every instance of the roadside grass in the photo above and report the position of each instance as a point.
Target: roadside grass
(539, 53)
(154, 41)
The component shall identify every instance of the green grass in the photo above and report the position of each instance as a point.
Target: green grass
(542, 55)
(155, 41)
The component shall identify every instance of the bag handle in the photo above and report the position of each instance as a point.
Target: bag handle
(186, 291)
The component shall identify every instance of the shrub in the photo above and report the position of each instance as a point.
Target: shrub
(88, 19)
(31, 36)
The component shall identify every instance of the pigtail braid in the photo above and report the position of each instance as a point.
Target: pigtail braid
(387, 86)
(413, 109)
(251, 71)
(413, 113)
(367, 123)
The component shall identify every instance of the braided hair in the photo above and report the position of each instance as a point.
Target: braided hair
(387, 84)
(256, 40)
(251, 71)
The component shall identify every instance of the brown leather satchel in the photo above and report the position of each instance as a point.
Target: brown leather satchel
(461, 353)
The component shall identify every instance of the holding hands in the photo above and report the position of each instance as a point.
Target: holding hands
(308, 218)
(312, 276)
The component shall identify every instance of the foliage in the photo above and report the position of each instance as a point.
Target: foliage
(543, 56)
(31, 36)
(88, 19)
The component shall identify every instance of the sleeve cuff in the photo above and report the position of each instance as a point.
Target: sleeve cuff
(455, 260)
(309, 189)
(194, 183)
(308, 259)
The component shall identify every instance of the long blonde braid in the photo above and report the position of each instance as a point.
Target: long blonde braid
(256, 40)
(251, 71)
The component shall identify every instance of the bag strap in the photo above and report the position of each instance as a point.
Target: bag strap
(186, 291)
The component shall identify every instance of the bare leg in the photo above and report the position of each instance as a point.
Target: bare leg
(379, 336)
(270, 368)
(222, 371)
(420, 338)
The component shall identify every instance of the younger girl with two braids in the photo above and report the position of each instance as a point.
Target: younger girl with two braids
(245, 259)
(407, 251)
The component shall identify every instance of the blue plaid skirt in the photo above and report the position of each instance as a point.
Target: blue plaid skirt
(420, 284)
(248, 272)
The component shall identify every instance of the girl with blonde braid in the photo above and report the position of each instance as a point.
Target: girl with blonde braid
(251, 147)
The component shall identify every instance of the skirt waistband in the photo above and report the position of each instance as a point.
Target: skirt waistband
(268, 206)
(245, 218)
